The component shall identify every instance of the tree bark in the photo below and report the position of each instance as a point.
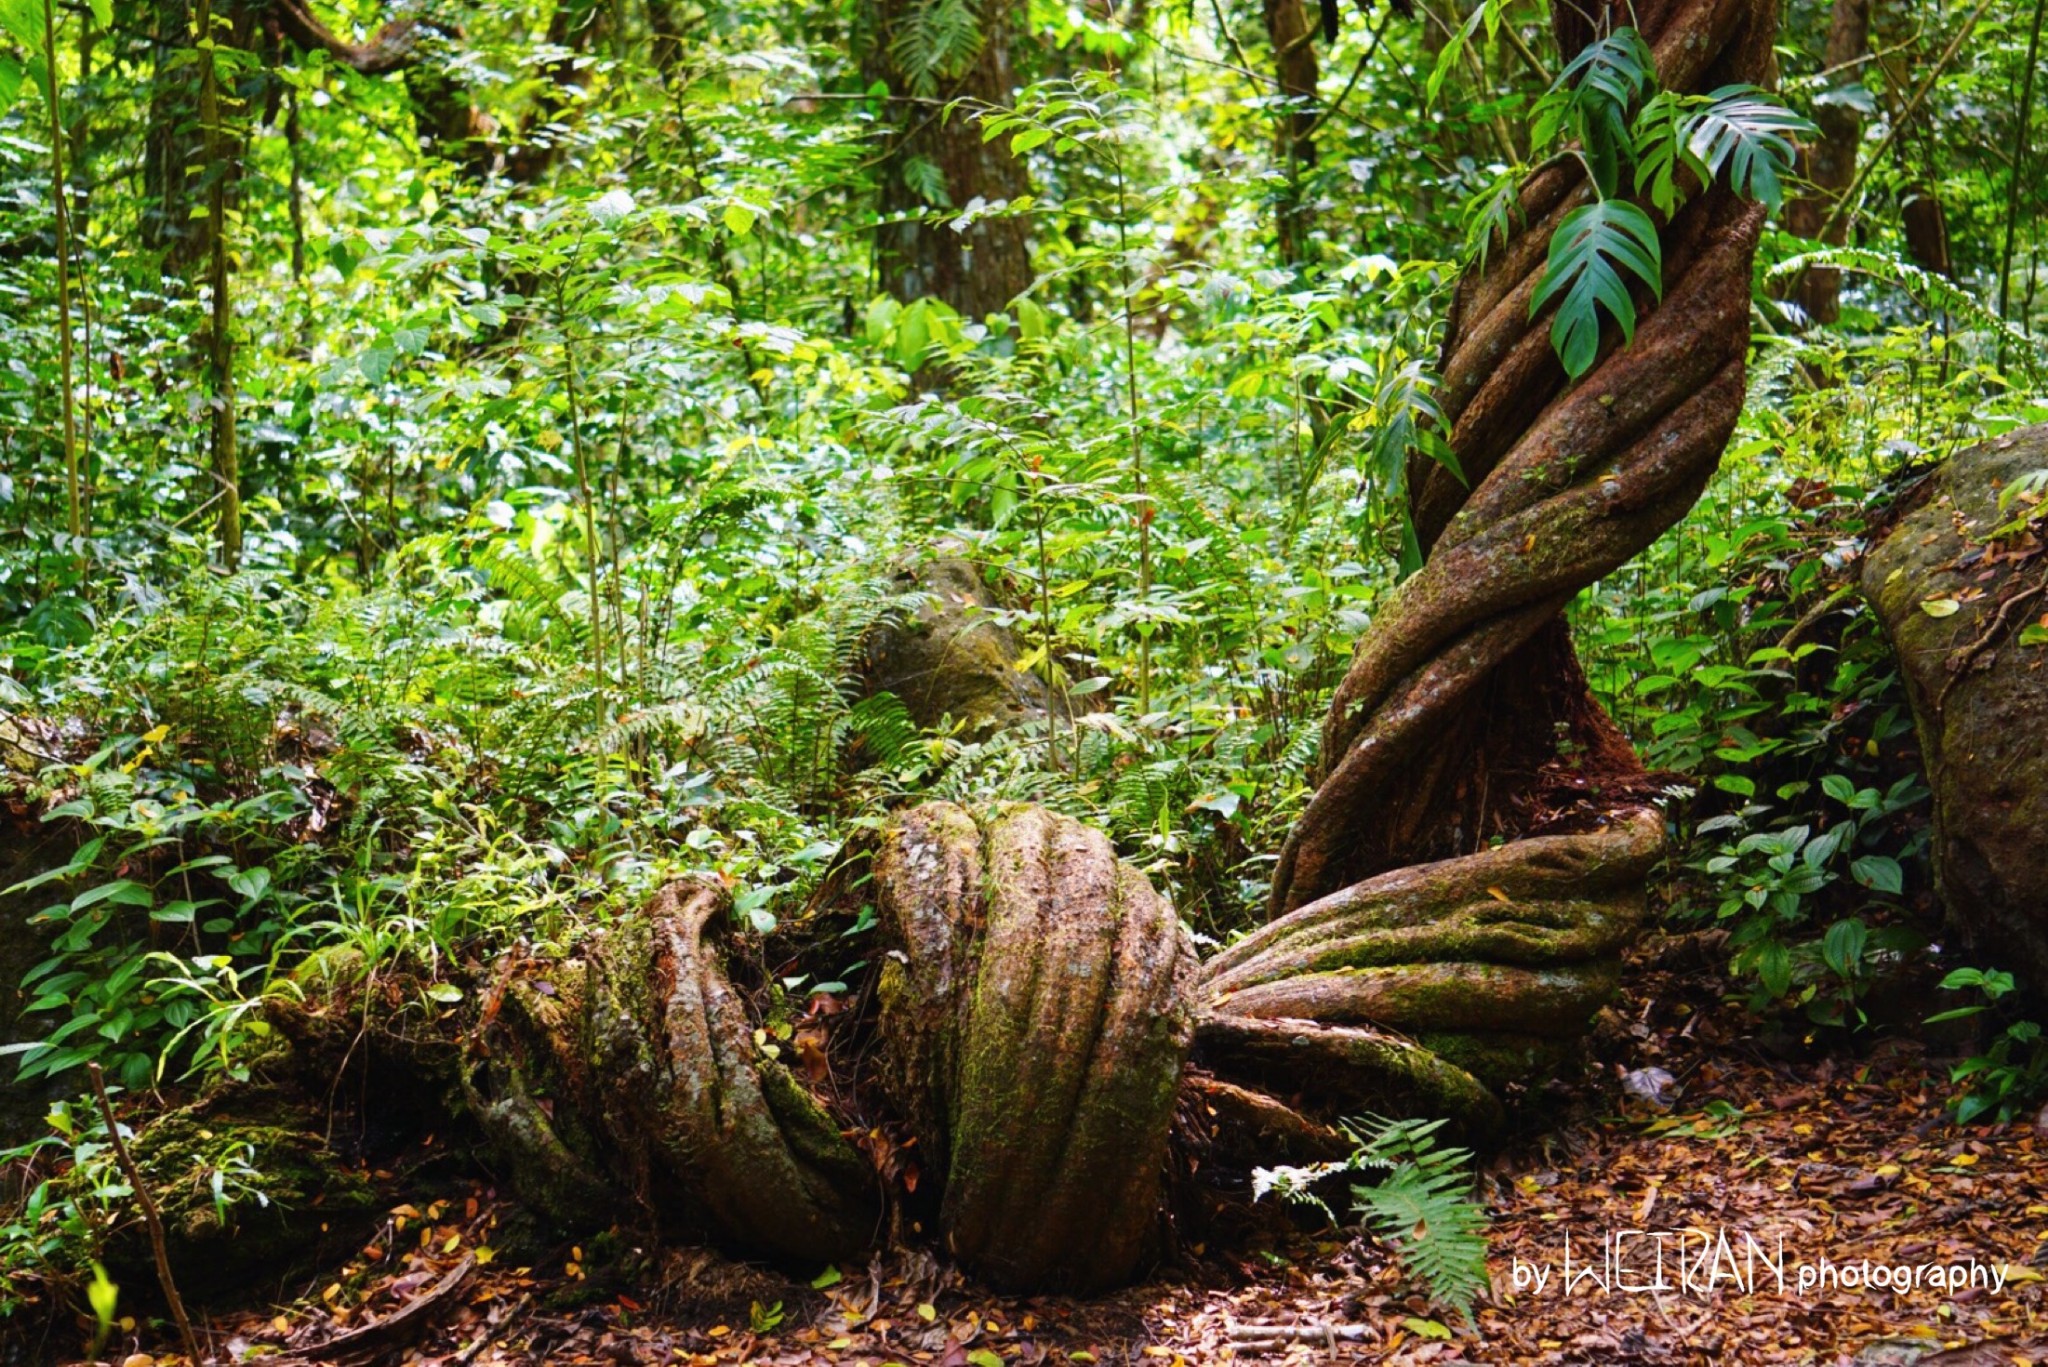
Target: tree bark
(937, 161)
(1829, 161)
(1292, 34)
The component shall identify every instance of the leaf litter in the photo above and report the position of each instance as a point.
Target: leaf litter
(1840, 1146)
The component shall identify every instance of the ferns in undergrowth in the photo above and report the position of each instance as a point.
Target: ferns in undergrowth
(789, 714)
(937, 41)
(1420, 1204)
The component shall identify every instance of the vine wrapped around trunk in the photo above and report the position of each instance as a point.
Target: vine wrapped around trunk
(1464, 716)
(1447, 915)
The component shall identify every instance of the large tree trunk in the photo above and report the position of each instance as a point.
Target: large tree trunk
(1829, 161)
(938, 161)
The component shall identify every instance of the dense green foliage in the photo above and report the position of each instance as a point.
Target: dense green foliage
(570, 500)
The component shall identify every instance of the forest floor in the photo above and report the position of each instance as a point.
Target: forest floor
(1846, 1156)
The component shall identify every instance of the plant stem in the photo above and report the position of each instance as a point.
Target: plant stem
(1123, 260)
(1899, 124)
(150, 1216)
(73, 488)
(595, 553)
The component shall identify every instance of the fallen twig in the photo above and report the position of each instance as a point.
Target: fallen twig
(491, 1331)
(400, 1322)
(150, 1217)
(1279, 1335)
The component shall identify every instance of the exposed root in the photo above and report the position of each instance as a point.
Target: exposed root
(1056, 1079)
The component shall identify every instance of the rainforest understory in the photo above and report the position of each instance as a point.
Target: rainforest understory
(948, 682)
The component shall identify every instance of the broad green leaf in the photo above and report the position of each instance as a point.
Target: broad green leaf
(1592, 97)
(23, 19)
(1842, 947)
(739, 219)
(10, 81)
(1588, 253)
(1747, 133)
(125, 892)
(1878, 872)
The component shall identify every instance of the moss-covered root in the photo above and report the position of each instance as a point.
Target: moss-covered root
(1491, 959)
(249, 1193)
(1060, 1065)
(1476, 943)
(1347, 1070)
(708, 1124)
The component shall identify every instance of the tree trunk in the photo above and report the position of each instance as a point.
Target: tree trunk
(1292, 34)
(1464, 717)
(938, 161)
(1829, 161)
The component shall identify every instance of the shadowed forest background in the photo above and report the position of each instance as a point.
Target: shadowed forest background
(486, 488)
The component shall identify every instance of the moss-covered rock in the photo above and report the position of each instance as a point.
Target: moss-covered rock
(953, 658)
(249, 1192)
(1953, 602)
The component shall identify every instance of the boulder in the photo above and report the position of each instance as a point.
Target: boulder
(954, 658)
(1956, 581)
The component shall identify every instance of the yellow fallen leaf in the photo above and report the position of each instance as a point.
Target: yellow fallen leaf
(927, 1312)
(1940, 607)
(1964, 1160)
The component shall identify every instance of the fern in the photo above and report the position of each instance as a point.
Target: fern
(1929, 290)
(1423, 1209)
(926, 179)
(877, 731)
(937, 41)
(1493, 216)
(1422, 1206)
(1588, 253)
(1408, 419)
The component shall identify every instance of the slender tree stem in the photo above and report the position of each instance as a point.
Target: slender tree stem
(1906, 117)
(74, 488)
(2019, 163)
(597, 655)
(220, 341)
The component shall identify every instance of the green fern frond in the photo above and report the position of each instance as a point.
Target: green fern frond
(1423, 1208)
